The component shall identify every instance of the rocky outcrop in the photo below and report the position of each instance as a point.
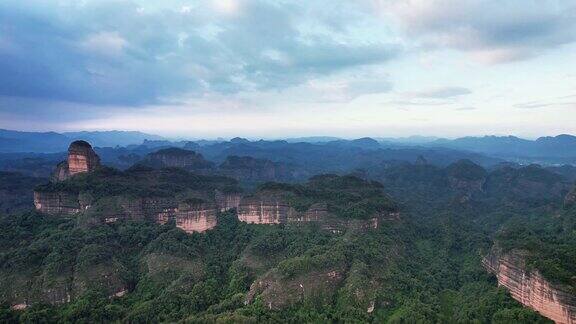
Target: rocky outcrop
(255, 210)
(196, 217)
(178, 158)
(57, 203)
(227, 200)
(81, 159)
(62, 172)
(530, 288)
(273, 210)
(277, 292)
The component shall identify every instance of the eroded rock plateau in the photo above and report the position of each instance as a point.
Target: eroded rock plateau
(530, 288)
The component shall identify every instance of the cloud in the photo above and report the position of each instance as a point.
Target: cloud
(493, 31)
(140, 52)
(543, 104)
(105, 44)
(441, 93)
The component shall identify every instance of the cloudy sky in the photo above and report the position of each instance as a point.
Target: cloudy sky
(275, 68)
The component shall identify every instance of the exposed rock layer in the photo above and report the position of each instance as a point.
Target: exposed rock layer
(530, 288)
(189, 217)
(81, 159)
(271, 210)
(54, 203)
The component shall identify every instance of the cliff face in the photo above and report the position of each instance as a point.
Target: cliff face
(196, 218)
(56, 203)
(270, 210)
(530, 288)
(227, 200)
(81, 159)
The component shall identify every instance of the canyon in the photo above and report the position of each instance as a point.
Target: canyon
(530, 288)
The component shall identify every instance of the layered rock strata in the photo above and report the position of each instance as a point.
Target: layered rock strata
(81, 159)
(196, 218)
(227, 201)
(270, 210)
(264, 211)
(530, 288)
(56, 203)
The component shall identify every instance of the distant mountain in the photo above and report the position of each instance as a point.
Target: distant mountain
(410, 140)
(51, 142)
(312, 139)
(559, 149)
(112, 138)
(47, 142)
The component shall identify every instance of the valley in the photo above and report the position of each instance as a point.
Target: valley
(176, 237)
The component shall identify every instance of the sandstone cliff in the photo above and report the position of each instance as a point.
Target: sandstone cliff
(192, 201)
(81, 159)
(227, 200)
(530, 288)
(274, 210)
(336, 203)
(56, 203)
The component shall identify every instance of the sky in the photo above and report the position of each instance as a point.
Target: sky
(273, 69)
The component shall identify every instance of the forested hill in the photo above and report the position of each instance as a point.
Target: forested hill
(397, 242)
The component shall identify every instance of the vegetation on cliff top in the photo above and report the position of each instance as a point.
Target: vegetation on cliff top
(141, 182)
(409, 272)
(550, 243)
(345, 196)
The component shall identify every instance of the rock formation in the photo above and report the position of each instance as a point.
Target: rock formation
(178, 158)
(56, 203)
(530, 288)
(274, 210)
(81, 159)
(227, 200)
(278, 293)
(196, 217)
(254, 210)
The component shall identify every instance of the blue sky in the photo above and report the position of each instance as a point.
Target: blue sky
(259, 68)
